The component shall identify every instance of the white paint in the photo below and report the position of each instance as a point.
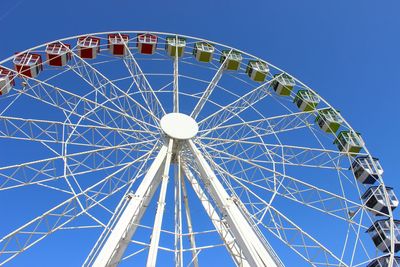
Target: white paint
(179, 126)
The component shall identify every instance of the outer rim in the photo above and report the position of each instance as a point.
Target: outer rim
(241, 51)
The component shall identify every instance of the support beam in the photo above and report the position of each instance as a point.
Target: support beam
(117, 242)
(176, 77)
(255, 250)
(192, 239)
(178, 214)
(155, 237)
(210, 88)
(219, 224)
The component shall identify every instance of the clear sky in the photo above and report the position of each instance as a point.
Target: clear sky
(348, 51)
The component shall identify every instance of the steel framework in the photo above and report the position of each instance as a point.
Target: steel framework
(243, 176)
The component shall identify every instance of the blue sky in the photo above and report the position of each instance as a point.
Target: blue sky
(348, 51)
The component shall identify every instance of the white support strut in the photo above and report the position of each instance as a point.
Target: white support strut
(117, 242)
(155, 237)
(254, 250)
(219, 225)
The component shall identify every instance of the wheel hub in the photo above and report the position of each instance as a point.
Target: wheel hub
(179, 126)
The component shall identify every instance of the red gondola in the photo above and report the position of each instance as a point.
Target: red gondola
(58, 54)
(146, 43)
(118, 43)
(88, 47)
(6, 81)
(28, 64)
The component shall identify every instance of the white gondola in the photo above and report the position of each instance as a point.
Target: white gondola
(380, 234)
(367, 170)
(384, 262)
(6, 81)
(374, 198)
(173, 44)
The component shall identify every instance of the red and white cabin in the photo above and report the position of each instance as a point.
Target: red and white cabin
(58, 54)
(118, 43)
(6, 81)
(28, 64)
(88, 47)
(146, 43)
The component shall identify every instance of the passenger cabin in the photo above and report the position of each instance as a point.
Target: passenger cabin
(306, 100)
(283, 84)
(6, 81)
(349, 142)
(146, 43)
(233, 59)
(28, 64)
(58, 54)
(380, 234)
(367, 170)
(257, 70)
(118, 44)
(88, 47)
(374, 198)
(384, 262)
(329, 120)
(203, 51)
(174, 44)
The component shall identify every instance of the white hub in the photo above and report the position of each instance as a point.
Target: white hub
(179, 126)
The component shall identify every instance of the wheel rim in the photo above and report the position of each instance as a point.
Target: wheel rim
(101, 117)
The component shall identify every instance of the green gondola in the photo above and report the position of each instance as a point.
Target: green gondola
(306, 100)
(203, 51)
(173, 44)
(257, 70)
(349, 142)
(283, 84)
(233, 61)
(329, 120)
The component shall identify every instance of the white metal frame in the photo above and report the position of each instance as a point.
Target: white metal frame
(118, 129)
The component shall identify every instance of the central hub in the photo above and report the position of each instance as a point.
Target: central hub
(179, 126)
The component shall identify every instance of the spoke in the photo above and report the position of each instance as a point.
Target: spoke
(265, 126)
(49, 222)
(210, 88)
(47, 170)
(71, 103)
(278, 154)
(108, 89)
(46, 131)
(143, 85)
(298, 190)
(236, 107)
(176, 77)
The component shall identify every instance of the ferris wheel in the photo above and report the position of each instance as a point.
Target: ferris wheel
(148, 148)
